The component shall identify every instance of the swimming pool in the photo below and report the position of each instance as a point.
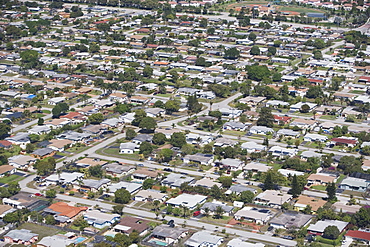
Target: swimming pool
(157, 242)
(79, 240)
(110, 235)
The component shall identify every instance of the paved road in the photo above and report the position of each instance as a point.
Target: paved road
(336, 44)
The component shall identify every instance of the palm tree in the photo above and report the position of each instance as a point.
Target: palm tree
(206, 212)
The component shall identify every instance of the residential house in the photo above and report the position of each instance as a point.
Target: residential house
(168, 234)
(22, 237)
(142, 174)
(261, 130)
(74, 136)
(56, 123)
(315, 137)
(290, 172)
(230, 113)
(99, 219)
(59, 145)
(87, 162)
(150, 195)
(303, 123)
(6, 170)
(64, 178)
(320, 179)
(55, 241)
(118, 170)
(298, 106)
(204, 238)
(20, 139)
(239, 242)
(21, 161)
(187, 200)
(290, 220)
(236, 126)
(43, 153)
(128, 117)
(257, 167)
(239, 188)
(212, 208)
(167, 131)
(127, 148)
(74, 117)
(155, 112)
(342, 207)
(252, 100)
(231, 164)
(256, 215)
(94, 185)
(5, 144)
(56, 100)
(118, 97)
(25, 201)
(288, 132)
(130, 187)
(175, 180)
(112, 122)
(64, 213)
(355, 184)
(203, 159)
(310, 154)
(142, 138)
(282, 119)
(206, 183)
(128, 224)
(344, 141)
(272, 198)
(282, 152)
(319, 227)
(39, 130)
(253, 147)
(224, 142)
(303, 201)
(358, 235)
(139, 100)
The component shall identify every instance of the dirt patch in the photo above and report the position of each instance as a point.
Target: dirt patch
(253, 225)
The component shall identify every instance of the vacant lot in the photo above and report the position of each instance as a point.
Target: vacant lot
(299, 9)
(43, 231)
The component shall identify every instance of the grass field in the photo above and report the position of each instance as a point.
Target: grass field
(299, 9)
(11, 178)
(43, 231)
(319, 187)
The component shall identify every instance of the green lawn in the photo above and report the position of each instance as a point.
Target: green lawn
(11, 178)
(328, 117)
(299, 9)
(319, 187)
(43, 231)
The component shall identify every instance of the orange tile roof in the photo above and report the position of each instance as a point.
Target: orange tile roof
(65, 210)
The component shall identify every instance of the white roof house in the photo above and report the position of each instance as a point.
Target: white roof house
(315, 137)
(252, 147)
(204, 238)
(298, 106)
(281, 151)
(320, 226)
(261, 130)
(272, 198)
(257, 167)
(238, 242)
(187, 200)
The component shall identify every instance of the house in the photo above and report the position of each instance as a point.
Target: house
(64, 213)
(282, 119)
(239, 188)
(272, 198)
(142, 174)
(128, 117)
(148, 195)
(366, 165)
(340, 141)
(239, 242)
(261, 130)
(253, 147)
(127, 148)
(256, 215)
(118, 170)
(142, 138)
(59, 145)
(64, 178)
(212, 208)
(87, 162)
(345, 208)
(236, 126)
(204, 238)
(94, 185)
(303, 201)
(206, 183)
(290, 220)
(99, 219)
(175, 180)
(111, 122)
(224, 142)
(315, 137)
(130, 187)
(39, 130)
(310, 154)
(187, 200)
(362, 236)
(74, 117)
(203, 159)
(257, 167)
(252, 100)
(56, 123)
(320, 179)
(55, 241)
(6, 169)
(168, 234)
(355, 184)
(128, 224)
(56, 100)
(74, 136)
(298, 106)
(5, 144)
(155, 112)
(288, 132)
(118, 97)
(23, 237)
(25, 201)
(43, 153)
(281, 151)
(231, 164)
(21, 161)
(230, 113)
(6, 209)
(303, 123)
(289, 172)
(20, 139)
(319, 227)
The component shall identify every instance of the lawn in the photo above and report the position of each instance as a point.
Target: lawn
(328, 117)
(115, 152)
(43, 231)
(319, 187)
(11, 178)
(299, 9)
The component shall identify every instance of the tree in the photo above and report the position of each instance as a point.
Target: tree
(271, 50)
(226, 181)
(246, 196)
(305, 108)
(45, 166)
(13, 188)
(13, 217)
(255, 50)
(148, 123)
(266, 118)
(178, 139)
(232, 53)
(219, 211)
(201, 61)
(159, 139)
(94, 48)
(296, 188)
(49, 219)
(4, 130)
(147, 71)
(50, 193)
(40, 121)
(81, 223)
(172, 106)
(307, 209)
(220, 90)
(252, 36)
(148, 184)
(118, 209)
(96, 118)
(166, 154)
(96, 171)
(145, 148)
(362, 218)
(130, 134)
(193, 104)
(139, 115)
(331, 189)
(30, 58)
(258, 72)
(268, 184)
(331, 232)
(122, 196)
(314, 92)
(34, 138)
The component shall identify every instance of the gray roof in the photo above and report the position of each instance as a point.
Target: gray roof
(55, 241)
(238, 188)
(288, 132)
(19, 137)
(322, 224)
(73, 135)
(202, 238)
(117, 168)
(43, 151)
(168, 232)
(234, 124)
(187, 90)
(289, 220)
(143, 138)
(130, 187)
(212, 207)
(175, 179)
(23, 234)
(199, 157)
(127, 145)
(91, 183)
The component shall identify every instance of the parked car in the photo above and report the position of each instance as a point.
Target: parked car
(167, 169)
(196, 213)
(140, 165)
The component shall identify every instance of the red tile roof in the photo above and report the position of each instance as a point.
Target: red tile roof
(343, 140)
(5, 143)
(358, 235)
